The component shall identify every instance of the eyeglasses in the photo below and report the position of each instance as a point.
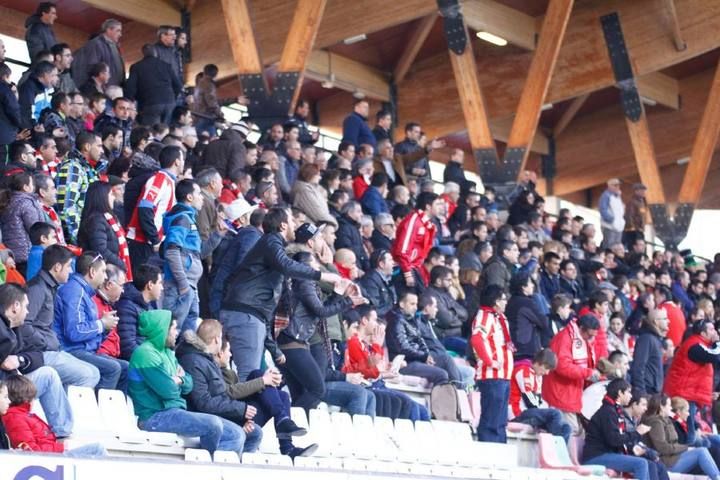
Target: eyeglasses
(97, 257)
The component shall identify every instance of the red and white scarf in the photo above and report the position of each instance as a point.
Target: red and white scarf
(49, 168)
(123, 251)
(621, 419)
(53, 216)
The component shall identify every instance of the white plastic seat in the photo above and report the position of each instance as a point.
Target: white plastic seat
(88, 421)
(265, 459)
(197, 455)
(323, 433)
(344, 434)
(120, 419)
(319, 462)
(269, 443)
(405, 438)
(386, 448)
(365, 437)
(37, 409)
(224, 456)
(429, 450)
(298, 416)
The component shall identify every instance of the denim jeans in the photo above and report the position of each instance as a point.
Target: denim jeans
(637, 466)
(113, 371)
(610, 238)
(271, 403)
(215, 433)
(303, 377)
(53, 399)
(548, 419)
(432, 374)
(458, 345)
(697, 457)
(447, 363)
(90, 450)
(246, 334)
(494, 398)
(185, 308)
(353, 399)
(72, 370)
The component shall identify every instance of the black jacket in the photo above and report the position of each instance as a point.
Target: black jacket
(404, 337)
(209, 393)
(11, 343)
(227, 154)
(455, 173)
(348, 236)
(256, 285)
(152, 82)
(603, 434)
(380, 294)
(427, 328)
(172, 57)
(572, 288)
(227, 257)
(27, 94)
(125, 125)
(37, 331)
(129, 308)
(497, 271)
(527, 325)
(38, 36)
(10, 121)
(380, 241)
(304, 135)
(96, 234)
(451, 314)
(646, 370)
(307, 309)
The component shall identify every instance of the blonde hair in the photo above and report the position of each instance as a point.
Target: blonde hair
(209, 329)
(679, 403)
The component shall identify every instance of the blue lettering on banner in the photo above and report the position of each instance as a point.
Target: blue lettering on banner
(41, 472)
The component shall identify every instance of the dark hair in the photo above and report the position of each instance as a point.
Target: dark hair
(97, 68)
(637, 396)
(363, 311)
(546, 358)
(426, 299)
(505, 245)
(357, 101)
(560, 300)
(257, 217)
(410, 125)
(400, 211)
(438, 272)
(5, 70)
(17, 149)
(596, 298)
(588, 322)
(108, 130)
(344, 146)
(616, 386)
(55, 254)
(184, 188)
(44, 7)
(518, 282)
(700, 326)
(405, 294)
(20, 389)
(19, 180)
(382, 114)
(38, 230)
(547, 256)
(84, 138)
(379, 179)
(377, 256)
(303, 257)
(169, 155)
(41, 181)
(96, 203)
(58, 99)
(59, 48)
(663, 289)
(274, 218)
(138, 135)
(119, 167)
(425, 199)
(211, 70)
(149, 50)
(490, 295)
(10, 294)
(144, 274)
(615, 355)
(85, 261)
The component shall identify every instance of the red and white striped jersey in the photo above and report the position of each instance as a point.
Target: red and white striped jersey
(525, 388)
(491, 342)
(158, 194)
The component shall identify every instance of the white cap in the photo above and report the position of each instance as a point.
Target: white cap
(238, 208)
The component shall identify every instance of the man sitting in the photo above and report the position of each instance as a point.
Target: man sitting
(157, 386)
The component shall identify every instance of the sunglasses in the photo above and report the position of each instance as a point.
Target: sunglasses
(96, 258)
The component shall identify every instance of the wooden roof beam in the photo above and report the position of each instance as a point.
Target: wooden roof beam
(413, 46)
(350, 75)
(645, 158)
(660, 88)
(493, 17)
(675, 25)
(149, 12)
(569, 114)
(242, 39)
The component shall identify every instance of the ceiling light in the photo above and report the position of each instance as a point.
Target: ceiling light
(329, 82)
(355, 39)
(648, 101)
(683, 161)
(358, 94)
(494, 39)
(547, 106)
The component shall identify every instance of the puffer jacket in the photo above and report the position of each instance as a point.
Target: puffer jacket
(528, 326)
(27, 431)
(22, 212)
(647, 371)
(209, 393)
(451, 315)
(182, 247)
(226, 154)
(348, 236)
(38, 35)
(498, 271)
(404, 337)
(307, 310)
(37, 330)
(663, 438)
(76, 316)
(380, 294)
(129, 308)
(97, 235)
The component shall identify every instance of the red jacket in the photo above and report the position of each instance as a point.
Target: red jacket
(111, 345)
(360, 186)
(414, 239)
(27, 431)
(687, 378)
(563, 387)
(600, 344)
(357, 358)
(676, 322)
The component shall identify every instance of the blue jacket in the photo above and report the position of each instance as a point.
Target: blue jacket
(34, 97)
(226, 259)
(34, 262)
(76, 316)
(9, 115)
(356, 131)
(372, 202)
(682, 297)
(604, 206)
(182, 246)
(549, 286)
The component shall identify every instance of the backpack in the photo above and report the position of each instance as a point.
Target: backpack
(447, 402)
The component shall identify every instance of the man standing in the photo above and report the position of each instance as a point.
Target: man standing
(62, 59)
(120, 117)
(612, 214)
(454, 169)
(500, 268)
(411, 144)
(299, 119)
(636, 215)
(154, 85)
(355, 128)
(47, 195)
(39, 34)
(103, 48)
(383, 122)
(34, 94)
(253, 292)
(167, 52)
(490, 340)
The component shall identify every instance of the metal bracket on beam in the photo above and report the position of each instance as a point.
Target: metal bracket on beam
(284, 88)
(493, 172)
(186, 25)
(264, 108)
(622, 69)
(453, 25)
(671, 230)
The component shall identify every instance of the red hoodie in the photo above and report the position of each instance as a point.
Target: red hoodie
(27, 431)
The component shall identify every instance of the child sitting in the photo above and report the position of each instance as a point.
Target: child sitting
(27, 431)
(526, 403)
(4, 405)
(42, 235)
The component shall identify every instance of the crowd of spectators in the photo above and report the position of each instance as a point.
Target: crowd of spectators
(134, 219)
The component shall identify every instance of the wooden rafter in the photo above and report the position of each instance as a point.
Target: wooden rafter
(149, 12)
(412, 48)
(675, 25)
(242, 39)
(493, 17)
(645, 158)
(660, 88)
(350, 75)
(569, 114)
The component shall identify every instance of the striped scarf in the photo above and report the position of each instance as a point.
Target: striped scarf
(53, 216)
(123, 251)
(621, 419)
(49, 168)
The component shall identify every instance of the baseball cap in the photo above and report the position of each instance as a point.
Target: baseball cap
(305, 232)
(238, 208)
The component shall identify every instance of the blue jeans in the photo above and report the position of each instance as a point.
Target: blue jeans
(353, 399)
(87, 451)
(215, 433)
(274, 404)
(185, 308)
(113, 371)
(638, 466)
(432, 374)
(53, 399)
(549, 419)
(246, 334)
(494, 398)
(456, 344)
(698, 457)
(72, 370)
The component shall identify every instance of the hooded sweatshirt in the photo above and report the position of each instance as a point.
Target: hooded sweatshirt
(152, 368)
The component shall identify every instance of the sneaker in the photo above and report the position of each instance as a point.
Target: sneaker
(303, 452)
(287, 428)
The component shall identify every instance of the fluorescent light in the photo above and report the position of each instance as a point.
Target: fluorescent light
(494, 39)
(358, 94)
(648, 101)
(329, 82)
(547, 106)
(683, 161)
(355, 39)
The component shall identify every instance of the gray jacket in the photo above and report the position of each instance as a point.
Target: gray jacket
(37, 331)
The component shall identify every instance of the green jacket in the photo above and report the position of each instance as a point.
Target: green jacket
(152, 368)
